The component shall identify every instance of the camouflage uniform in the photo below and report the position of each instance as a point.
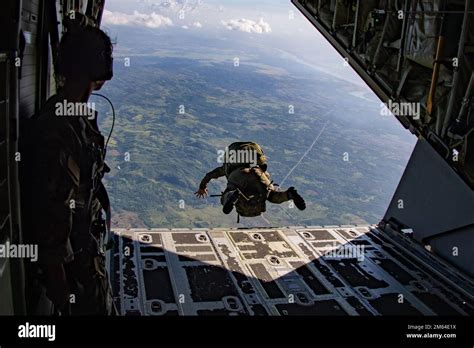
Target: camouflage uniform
(66, 157)
(252, 183)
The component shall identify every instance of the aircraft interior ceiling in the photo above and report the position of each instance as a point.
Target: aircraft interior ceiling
(418, 57)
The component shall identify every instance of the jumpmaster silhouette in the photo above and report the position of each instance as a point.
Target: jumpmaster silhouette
(248, 183)
(66, 151)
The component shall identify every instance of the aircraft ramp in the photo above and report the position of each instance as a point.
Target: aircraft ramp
(282, 271)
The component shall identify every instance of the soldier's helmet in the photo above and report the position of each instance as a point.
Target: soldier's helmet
(85, 52)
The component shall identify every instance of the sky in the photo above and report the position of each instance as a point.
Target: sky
(275, 26)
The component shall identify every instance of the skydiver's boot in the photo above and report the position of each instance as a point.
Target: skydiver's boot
(297, 199)
(232, 198)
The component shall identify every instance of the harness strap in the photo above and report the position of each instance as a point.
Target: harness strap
(104, 200)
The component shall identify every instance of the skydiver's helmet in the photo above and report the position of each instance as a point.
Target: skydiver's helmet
(85, 52)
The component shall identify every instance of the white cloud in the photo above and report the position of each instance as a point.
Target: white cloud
(152, 20)
(197, 25)
(185, 27)
(175, 5)
(248, 26)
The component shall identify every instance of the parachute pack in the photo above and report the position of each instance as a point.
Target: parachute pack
(244, 155)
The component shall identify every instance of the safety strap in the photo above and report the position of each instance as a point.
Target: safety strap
(104, 200)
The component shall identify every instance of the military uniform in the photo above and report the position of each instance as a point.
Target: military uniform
(251, 182)
(66, 159)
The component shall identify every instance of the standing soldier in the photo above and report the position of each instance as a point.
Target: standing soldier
(64, 197)
(248, 184)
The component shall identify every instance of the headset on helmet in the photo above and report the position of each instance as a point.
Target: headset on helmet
(85, 50)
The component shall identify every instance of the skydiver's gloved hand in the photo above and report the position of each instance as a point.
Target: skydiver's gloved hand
(57, 287)
(201, 193)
